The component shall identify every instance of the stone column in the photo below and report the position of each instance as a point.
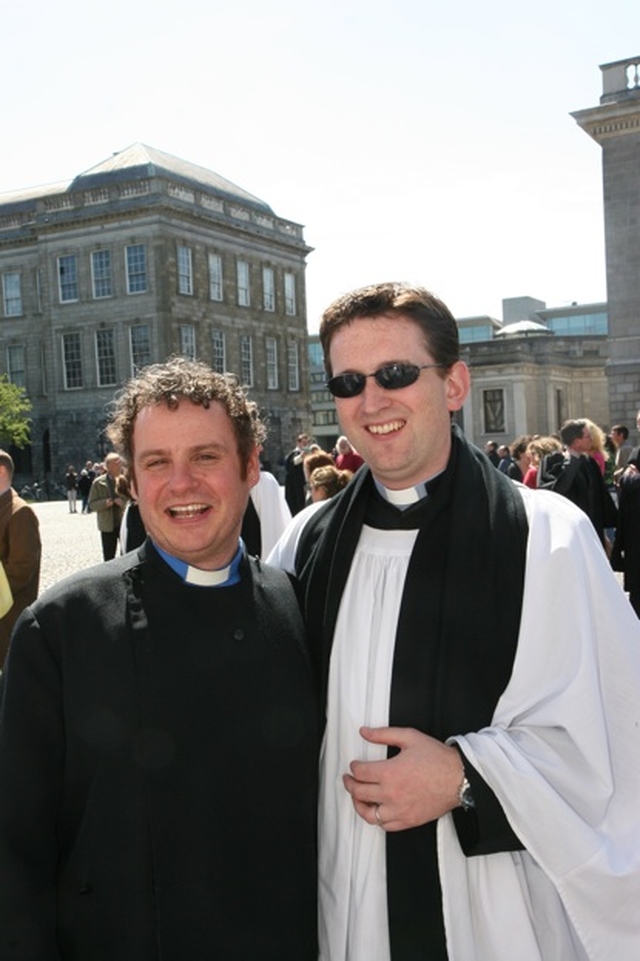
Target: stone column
(615, 125)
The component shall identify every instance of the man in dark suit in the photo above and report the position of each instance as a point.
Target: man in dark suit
(157, 734)
(575, 475)
(294, 479)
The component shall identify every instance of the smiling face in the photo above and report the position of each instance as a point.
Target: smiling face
(189, 481)
(404, 435)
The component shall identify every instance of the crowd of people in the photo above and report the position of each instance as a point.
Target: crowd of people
(406, 729)
(596, 470)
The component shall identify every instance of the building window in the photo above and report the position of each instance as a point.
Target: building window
(560, 414)
(67, 278)
(136, 263)
(325, 418)
(16, 367)
(185, 270)
(12, 294)
(493, 406)
(188, 341)
(290, 294)
(219, 359)
(140, 344)
(215, 277)
(72, 361)
(101, 273)
(271, 347)
(246, 360)
(106, 357)
(268, 289)
(242, 274)
(293, 366)
(38, 291)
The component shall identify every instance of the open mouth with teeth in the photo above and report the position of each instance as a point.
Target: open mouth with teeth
(386, 428)
(188, 510)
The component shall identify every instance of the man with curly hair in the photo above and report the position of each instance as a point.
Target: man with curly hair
(157, 735)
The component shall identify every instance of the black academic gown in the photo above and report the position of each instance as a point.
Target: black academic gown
(158, 771)
(453, 654)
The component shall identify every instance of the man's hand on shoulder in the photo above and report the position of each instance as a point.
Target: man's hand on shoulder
(418, 785)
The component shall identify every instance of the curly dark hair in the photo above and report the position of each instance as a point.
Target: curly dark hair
(180, 379)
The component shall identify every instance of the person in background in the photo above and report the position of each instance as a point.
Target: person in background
(108, 505)
(346, 457)
(598, 450)
(294, 479)
(85, 480)
(20, 551)
(478, 785)
(625, 555)
(538, 448)
(520, 458)
(576, 475)
(71, 485)
(158, 718)
(491, 450)
(325, 482)
(506, 460)
(620, 438)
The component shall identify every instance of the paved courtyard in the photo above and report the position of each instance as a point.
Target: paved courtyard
(70, 542)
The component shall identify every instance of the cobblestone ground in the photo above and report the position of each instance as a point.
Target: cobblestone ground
(70, 542)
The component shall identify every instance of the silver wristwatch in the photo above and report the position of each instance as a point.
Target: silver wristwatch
(464, 795)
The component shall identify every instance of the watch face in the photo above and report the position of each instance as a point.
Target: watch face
(464, 795)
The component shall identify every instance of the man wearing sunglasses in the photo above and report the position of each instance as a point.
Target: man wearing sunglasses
(479, 775)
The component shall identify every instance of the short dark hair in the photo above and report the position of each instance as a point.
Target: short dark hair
(621, 429)
(396, 300)
(571, 430)
(180, 379)
(519, 446)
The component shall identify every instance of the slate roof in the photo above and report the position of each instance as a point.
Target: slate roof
(140, 161)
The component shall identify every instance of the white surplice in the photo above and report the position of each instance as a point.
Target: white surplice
(352, 874)
(563, 757)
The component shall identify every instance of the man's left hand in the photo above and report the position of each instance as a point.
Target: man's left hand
(418, 785)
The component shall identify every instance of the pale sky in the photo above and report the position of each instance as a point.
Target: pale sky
(421, 140)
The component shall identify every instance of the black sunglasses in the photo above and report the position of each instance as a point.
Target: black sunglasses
(390, 377)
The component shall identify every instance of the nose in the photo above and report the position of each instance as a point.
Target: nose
(374, 397)
(182, 476)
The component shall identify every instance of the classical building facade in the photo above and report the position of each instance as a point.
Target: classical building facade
(615, 125)
(141, 257)
(534, 369)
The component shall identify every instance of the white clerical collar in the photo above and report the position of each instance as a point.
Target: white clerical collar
(223, 577)
(406, 497)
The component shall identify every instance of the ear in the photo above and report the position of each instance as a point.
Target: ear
(132, 485)
(253, 467)
(458, 385)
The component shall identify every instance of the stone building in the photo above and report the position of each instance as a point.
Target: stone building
(532, 373)
(615, 125)
(141, 257)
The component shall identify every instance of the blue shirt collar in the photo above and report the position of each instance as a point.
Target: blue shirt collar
(223, 577)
